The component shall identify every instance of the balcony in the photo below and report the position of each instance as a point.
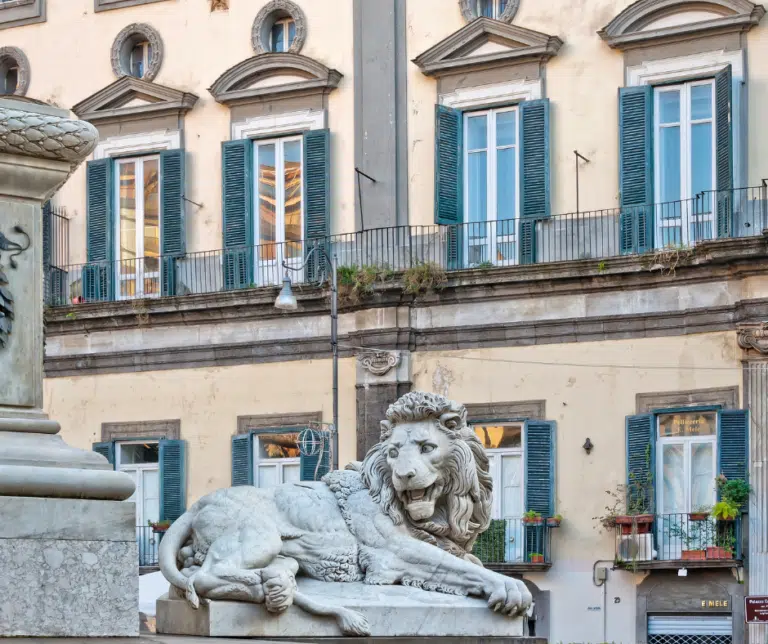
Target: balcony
(148, 542)
(512, 546)
(672, 229)
(679, 541)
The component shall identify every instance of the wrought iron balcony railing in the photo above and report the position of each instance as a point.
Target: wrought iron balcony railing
(148, 541)
(598, 234)
(514, 543)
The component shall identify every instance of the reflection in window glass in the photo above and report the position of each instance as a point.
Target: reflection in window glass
(267, 200)
(136, 453)
(292, 188)
(278, 446)
(497, 436)
(688, 424)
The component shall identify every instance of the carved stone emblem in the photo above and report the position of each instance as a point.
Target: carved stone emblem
(379, 363)
(754, 337)
(6, 297)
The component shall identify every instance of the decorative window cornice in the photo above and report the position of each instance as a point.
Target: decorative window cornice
(15, 57)
(267, 16)
(107, 5)
(469, 10)
(754, 337)
(303, 76)
(634, 27)
(122, 45)
(463, 50)
(21, 12)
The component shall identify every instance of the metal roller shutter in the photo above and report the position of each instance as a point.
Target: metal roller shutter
(690, 629)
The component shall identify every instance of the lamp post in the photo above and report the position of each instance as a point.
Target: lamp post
(286, 301)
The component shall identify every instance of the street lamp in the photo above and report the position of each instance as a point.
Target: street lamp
(286, 301)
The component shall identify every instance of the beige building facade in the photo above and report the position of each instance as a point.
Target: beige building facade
(553, 213)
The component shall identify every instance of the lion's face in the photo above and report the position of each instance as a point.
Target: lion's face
(416, 454)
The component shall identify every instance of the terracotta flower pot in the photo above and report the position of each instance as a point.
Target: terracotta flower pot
(640, 523)
(694, 555)
(537, 558)
(715, 552)
(698, 516)
(553, 523)
(536, 521)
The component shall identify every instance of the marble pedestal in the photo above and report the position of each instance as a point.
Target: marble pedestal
(391, 611)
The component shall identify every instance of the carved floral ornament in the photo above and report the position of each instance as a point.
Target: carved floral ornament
(754, 337)
(379, 363)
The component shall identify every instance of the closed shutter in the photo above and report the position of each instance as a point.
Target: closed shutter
(449, 180)
(173, 481)
(242, 459)
(733, 443)
(309, 465)
(172, 222)
(317, 194)
(97, 274)
(237, 209)
(636, 169)
(540, 467)
(690, 629)
(724, 152)
(107, 450)
(534, 174)
(641, 456)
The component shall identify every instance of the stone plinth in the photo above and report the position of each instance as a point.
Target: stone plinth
(391, 611)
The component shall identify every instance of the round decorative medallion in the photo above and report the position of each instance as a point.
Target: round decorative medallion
(270, 14)
(469, 10)
(125, 44)
(13, 61)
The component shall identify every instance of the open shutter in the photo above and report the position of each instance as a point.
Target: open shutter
(309, 465)
(107, 450)
(733, 443)
(636, 169)
(641, 456)
(317, 194)
(242, 459)
(97, 274)
(724, 152)
(172, 221)
(449, 180)
(540, 467)
(534, 174)
(237, 209)
(173, 480)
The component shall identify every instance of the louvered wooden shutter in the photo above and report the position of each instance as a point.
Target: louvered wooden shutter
(97, 274)
(317, 194)
(309, 465)
(237, 209)
(534, 174)
(724, 152)
(172, 220)
(733, 443)
(540, 467)
(636, 169)
(107, 450)
(242, 459)
(641, 456)
(449, 180)
(173, 480)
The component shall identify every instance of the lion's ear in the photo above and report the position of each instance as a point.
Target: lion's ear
(451, 420)
(386, 427)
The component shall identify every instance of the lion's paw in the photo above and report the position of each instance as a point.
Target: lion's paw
(353, 623)
(279, 592)
(510, 598)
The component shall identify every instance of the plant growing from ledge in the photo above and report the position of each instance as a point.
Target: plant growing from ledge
(532, 518)
(357, 283)
(423, 278)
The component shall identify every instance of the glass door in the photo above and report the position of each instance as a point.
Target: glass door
(276, 459)
(140, 462)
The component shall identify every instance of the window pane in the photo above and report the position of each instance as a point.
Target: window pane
(477, 128)
(128, 217)
(485, 8)
(506, 128)
(701, 157)
(671, 236)
(478, 186)
(293, 232)
(133, 454)
(670, 163)
(499, 436)
(277, 36)
(673, 474)
(688, 424)
(701, 102)
(502, 6)
(151, 215)
(278, 446)
(506, 186)
(137, 59)
(669, 106)
(11, 80)
(702, 475)
(150, 491)
(291, 473)
(701, 230)
(511, 486)
(291, 32)
(266, 476)
(267, 204)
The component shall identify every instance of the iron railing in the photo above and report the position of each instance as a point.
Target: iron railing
(598, 234)
(55, 248)
(679, 537)
(148, 541)
(512, 541)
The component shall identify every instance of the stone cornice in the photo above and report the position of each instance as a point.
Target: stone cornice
(754, 337)
(236, 85)
(454, 53)
(627, 29)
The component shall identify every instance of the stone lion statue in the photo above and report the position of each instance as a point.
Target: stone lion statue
(408, 514)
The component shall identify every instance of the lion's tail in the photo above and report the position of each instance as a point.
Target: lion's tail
(175, 538)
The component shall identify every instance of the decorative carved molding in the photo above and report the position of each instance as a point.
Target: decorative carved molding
(267, 16)
(6, 297)
(506, 411)
(219, 5)
(629, 29)
(454, 54)
(379, 363)
(154, 429)
(14, 13)
(754, 337)
(15, 57)
(132, 33)
(725, 397)
(236, 85)
(246, 424)
(469, 10)
(107, 5)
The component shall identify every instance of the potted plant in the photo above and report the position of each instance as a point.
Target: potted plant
(555, 521)
(693, 535)
(725, 511)
(700, 513)
(159, 526)
(533, 518)
(723, 548)
(536, 557)
(630, 508)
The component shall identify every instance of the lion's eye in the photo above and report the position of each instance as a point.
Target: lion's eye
(427, 448)
(393, 453)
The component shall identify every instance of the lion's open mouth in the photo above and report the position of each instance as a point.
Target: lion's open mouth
(420, 503)
(422, 495)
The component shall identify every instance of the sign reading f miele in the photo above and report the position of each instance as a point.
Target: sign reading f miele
(756, 610)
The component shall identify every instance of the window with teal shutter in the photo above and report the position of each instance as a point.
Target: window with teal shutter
(724, 152)
(540, 467)
(317, 194)
(641, 459)
(237, 209)
(107, 450)
(314, 467)
(97, 274)
(733, 443)
(534, 174)
(242, 459)
(173, 480)
(172, 223)
(449, 180)
(636, 169)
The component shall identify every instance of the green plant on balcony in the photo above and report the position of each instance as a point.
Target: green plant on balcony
(489, 547)
(423, 278)
(159, 526)
(536, 557)
(358, 283)
(725, 511)
(532, 518)
(733, 491)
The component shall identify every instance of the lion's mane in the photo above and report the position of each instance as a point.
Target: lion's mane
(464, 511)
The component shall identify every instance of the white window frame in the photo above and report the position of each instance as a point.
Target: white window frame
(144, 58)
(286, 25)
(688, 209)
(141, 520)
(278, 463)
(139, 275)
(492, 238)
(496, 11)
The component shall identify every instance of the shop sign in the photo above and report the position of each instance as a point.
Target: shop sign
(756, 610)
